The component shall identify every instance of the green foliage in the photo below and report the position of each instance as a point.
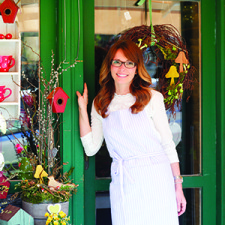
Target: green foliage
(34, 192)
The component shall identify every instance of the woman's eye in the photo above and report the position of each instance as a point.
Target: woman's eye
(130, 63)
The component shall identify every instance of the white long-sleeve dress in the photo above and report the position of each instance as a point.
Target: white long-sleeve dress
(142, 190)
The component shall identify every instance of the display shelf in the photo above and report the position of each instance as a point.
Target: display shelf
(8, 103)
(9, 40)
(11, 48)
(10, 107)
(9, 73)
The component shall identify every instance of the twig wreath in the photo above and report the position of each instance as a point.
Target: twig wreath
(175, 73)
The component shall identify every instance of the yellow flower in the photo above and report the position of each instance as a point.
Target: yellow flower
(62, 214)
(48, 221)
(63, 223)
(46, 214)
(56, 223)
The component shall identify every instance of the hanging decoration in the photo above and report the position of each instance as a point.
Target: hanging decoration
(9, 10)
(174, 72)
(58, 99)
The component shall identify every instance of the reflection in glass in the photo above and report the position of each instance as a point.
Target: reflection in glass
(103, 210)
(113, 17)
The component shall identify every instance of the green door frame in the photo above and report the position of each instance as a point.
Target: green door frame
(61, 30)
(220, 105)
(211, 181)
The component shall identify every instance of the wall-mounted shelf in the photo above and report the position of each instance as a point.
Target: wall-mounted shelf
(10, 107)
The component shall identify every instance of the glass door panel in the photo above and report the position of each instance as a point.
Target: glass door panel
(113, 17)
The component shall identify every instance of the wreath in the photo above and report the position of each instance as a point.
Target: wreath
(175, 72)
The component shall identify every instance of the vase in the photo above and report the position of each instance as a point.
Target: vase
(25, 169)
(37, 211)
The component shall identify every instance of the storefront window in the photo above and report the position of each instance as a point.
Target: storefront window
(24, 48)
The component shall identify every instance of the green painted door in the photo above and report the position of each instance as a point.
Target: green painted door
(197, 150)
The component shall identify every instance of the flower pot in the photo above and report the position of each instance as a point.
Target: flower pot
(25, 169)
(37, 211)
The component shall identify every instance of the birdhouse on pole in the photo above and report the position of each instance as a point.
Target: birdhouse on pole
(8, 9)
(58, 99)
(12, 215)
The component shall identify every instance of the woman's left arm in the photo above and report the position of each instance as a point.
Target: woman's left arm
(162, 126)
(181, 201)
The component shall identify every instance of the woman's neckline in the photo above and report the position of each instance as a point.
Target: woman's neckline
(122, 95)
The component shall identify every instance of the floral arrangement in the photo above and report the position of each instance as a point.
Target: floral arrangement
(36, 192)
(40, 132)
(57, 219)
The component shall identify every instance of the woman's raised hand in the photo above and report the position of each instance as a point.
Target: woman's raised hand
(83, 99)
(83, 115)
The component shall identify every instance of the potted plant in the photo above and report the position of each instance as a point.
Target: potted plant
(39, 125)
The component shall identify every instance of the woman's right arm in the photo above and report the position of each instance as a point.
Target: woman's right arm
(91, 136)
(85, 127)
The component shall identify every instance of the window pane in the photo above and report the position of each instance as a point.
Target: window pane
(113, 17)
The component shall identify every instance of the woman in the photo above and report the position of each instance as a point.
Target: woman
(146, 187)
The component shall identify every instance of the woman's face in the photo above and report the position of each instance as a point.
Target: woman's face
(122, 75)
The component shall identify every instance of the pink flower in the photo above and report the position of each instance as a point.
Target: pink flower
(17, 145)
(19, 150)
(37, 146)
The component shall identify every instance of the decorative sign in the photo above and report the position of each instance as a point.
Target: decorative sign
(54, 208)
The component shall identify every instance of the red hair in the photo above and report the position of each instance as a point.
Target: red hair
(140, 86)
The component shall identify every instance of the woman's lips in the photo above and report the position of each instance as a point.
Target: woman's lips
(121, 75)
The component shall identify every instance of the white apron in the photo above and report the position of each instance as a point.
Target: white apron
(142, 190)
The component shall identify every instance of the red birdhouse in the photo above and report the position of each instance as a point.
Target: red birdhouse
(8, 9)
(58, 99)
(4, 186)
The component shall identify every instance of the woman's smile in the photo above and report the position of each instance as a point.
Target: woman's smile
(121, 75)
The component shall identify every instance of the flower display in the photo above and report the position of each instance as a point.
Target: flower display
(57, 219)
(39, 131)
